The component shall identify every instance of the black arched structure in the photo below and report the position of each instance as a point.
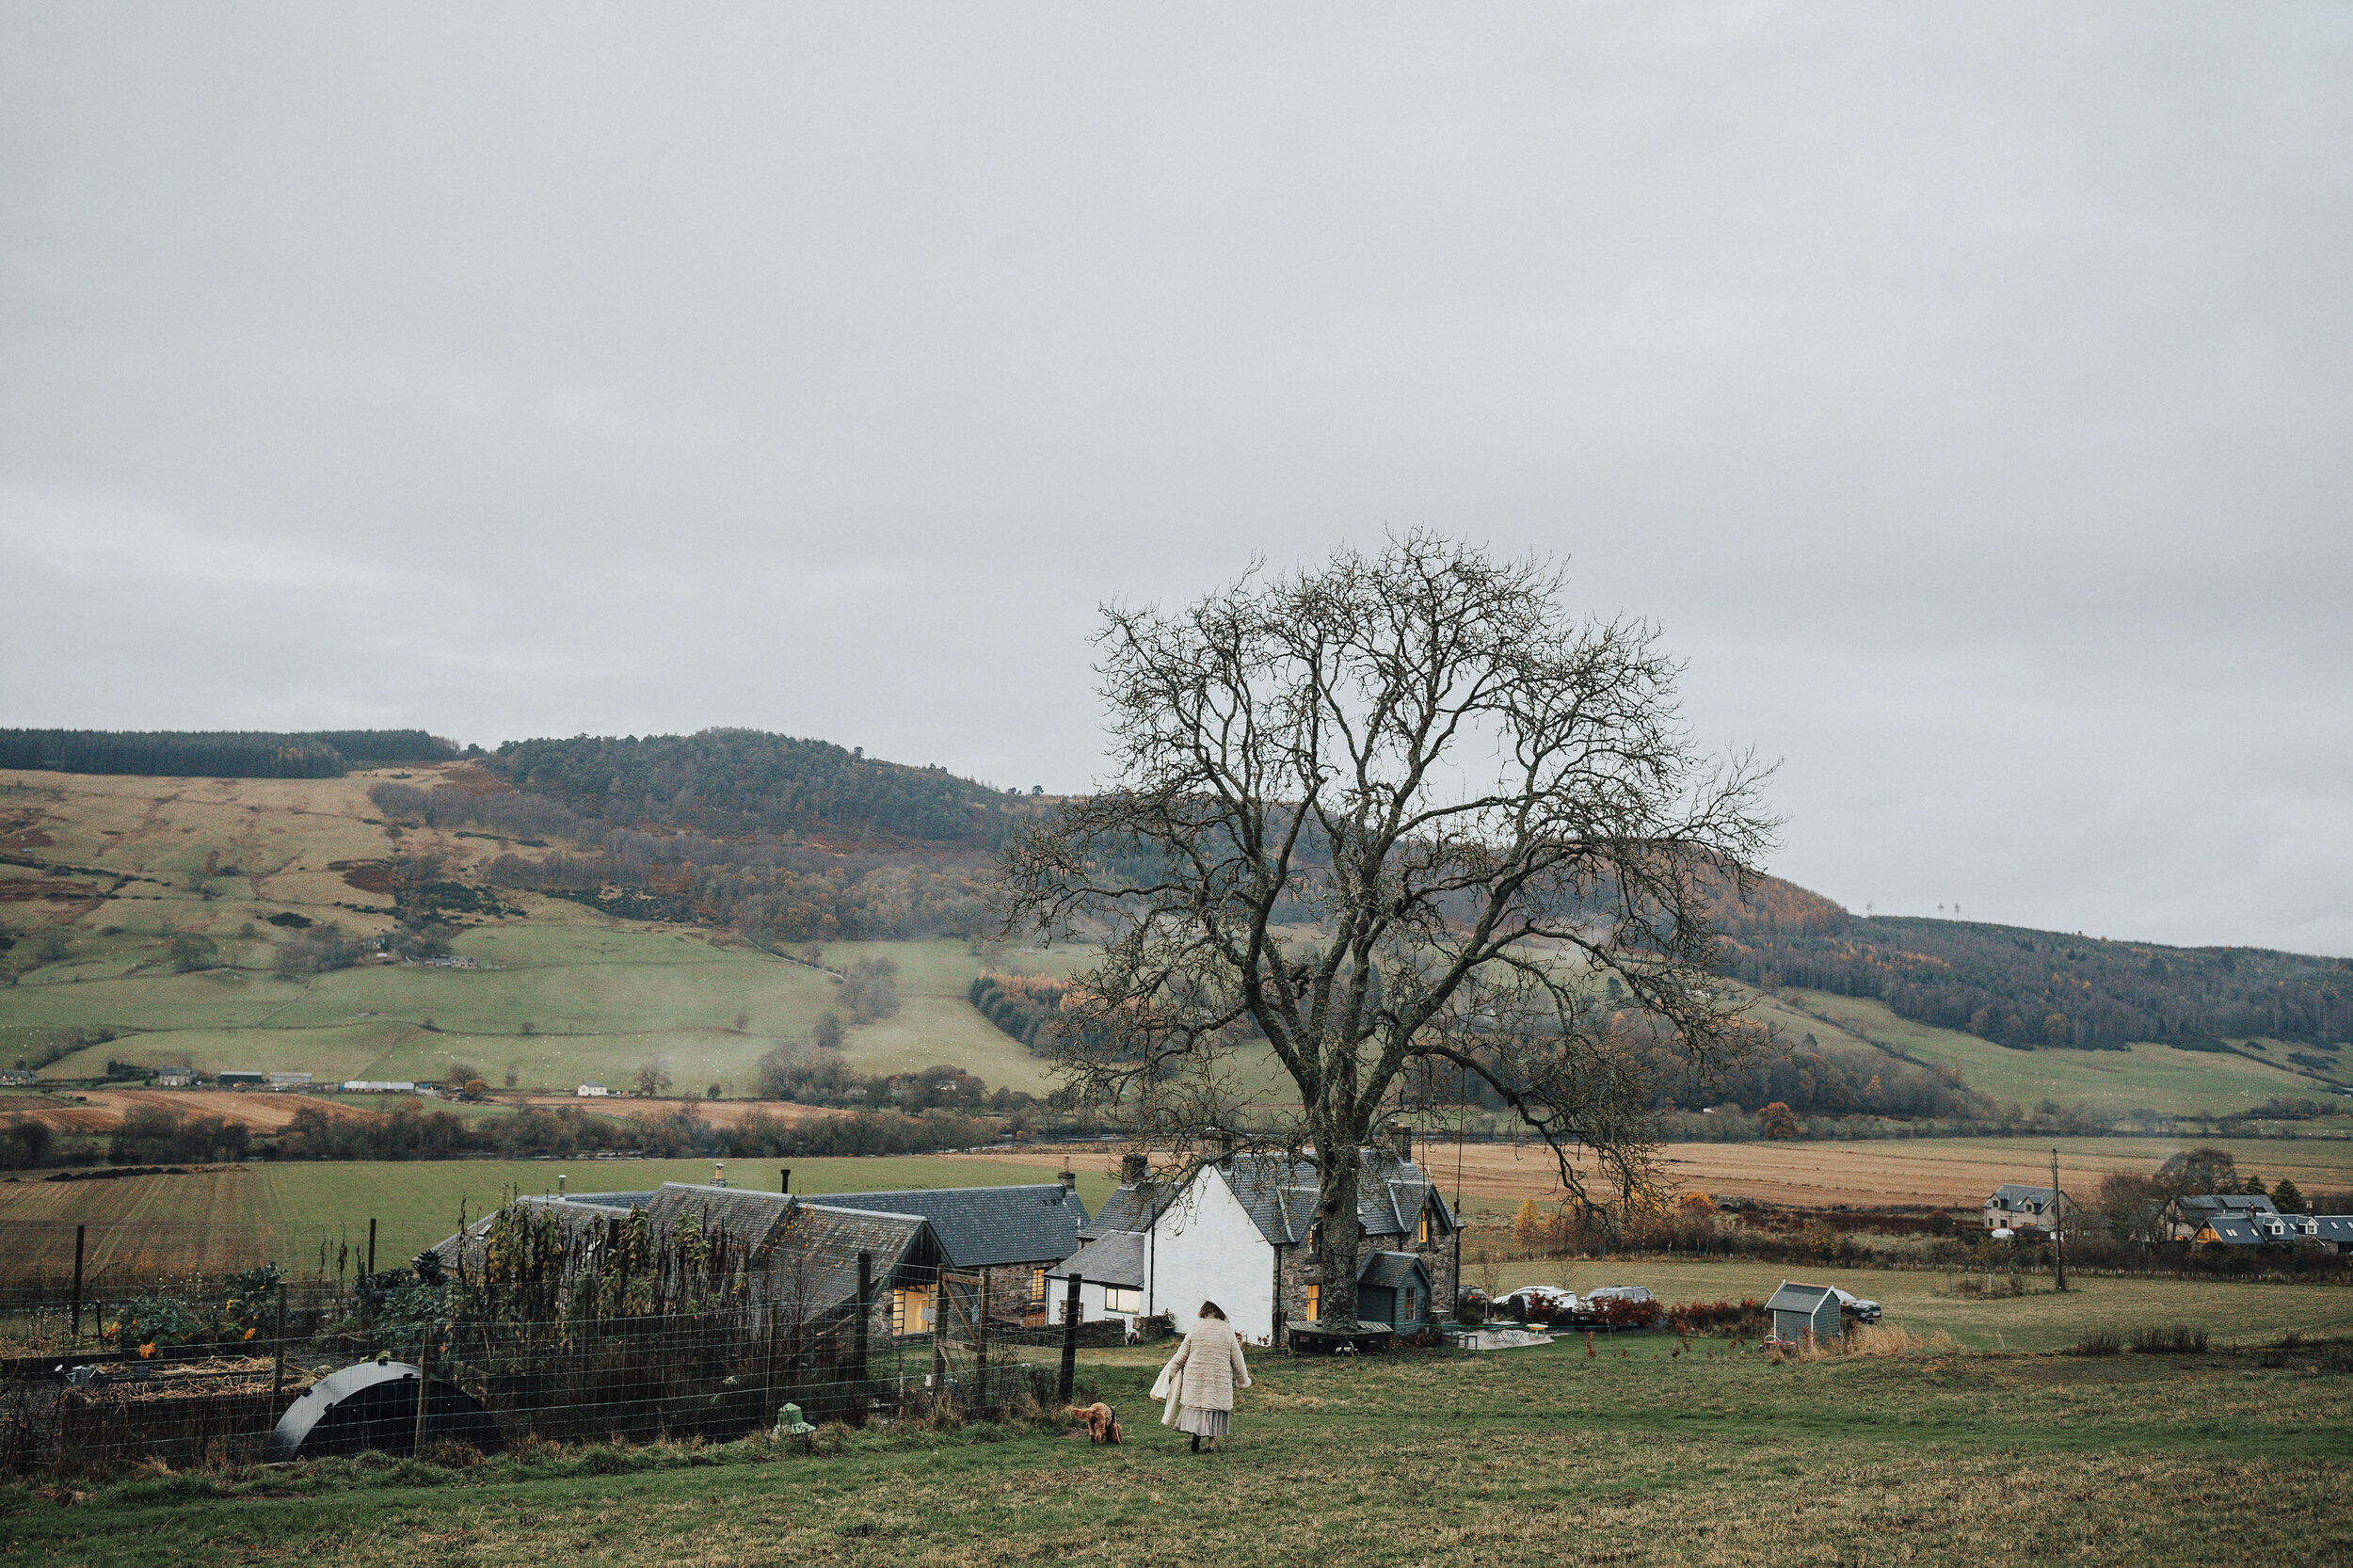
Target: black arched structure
(373, 1405)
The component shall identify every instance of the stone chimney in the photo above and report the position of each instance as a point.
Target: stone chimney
(1133, 1169)
(1402, 1141)
(1070, 1180)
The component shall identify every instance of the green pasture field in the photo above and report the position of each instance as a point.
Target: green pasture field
(213, 1220)
(563, 998)
(1540, 1457)
(2147, 1077)
(1926, 1302)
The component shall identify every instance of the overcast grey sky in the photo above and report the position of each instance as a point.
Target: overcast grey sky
(1965, 389)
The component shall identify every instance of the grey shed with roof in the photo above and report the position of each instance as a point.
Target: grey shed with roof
(1799, 1310)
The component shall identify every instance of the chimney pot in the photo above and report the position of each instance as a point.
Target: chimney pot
(1068, 1178)
(1134, 1168)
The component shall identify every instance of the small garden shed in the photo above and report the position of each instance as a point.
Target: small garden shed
(1799, 1310)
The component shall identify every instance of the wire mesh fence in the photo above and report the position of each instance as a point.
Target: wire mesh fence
(690, 1316)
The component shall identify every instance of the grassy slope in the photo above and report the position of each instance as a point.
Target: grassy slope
(604, 996)
(1537, 1457)
(2147, 1077)
(599, 995)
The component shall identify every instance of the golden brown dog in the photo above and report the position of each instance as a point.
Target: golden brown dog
(1101, 1419)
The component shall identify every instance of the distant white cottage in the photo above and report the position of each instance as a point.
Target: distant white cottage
(1242, 1233)
(592, 1091)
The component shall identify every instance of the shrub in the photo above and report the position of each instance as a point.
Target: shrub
(2170, 1339)
(2099, 1341)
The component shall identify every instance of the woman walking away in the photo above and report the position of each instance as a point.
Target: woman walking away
(1200, 1379)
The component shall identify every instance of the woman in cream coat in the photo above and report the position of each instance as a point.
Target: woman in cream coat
(1200, 1379)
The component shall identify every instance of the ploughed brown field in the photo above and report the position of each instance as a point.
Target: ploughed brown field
(1927, 1173)
(261, 1111)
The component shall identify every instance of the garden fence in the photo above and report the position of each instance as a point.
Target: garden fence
(516, 1348)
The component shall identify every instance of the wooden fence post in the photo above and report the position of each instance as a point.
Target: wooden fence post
(371, 1244)
(277, 1379)
(1069, 1338)
(865, 1311)
(980, 1343)
(425, 1376)
(79, 1233)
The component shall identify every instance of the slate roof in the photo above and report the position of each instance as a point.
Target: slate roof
(1793, 1297)
(1280, 1195)
(1132, 1207)
(794, 1247)
(1392, 1271)
(985, 1227)
(1113, 1260)
(2237, 1202)
(2011, 1195)
(615, 1200)
(2237, 1229)
(2255, 1228)
(2335, 1227)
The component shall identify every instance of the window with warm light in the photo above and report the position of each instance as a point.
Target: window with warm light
(1116, 1300)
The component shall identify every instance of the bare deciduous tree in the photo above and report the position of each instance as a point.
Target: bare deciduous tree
(1399, 817)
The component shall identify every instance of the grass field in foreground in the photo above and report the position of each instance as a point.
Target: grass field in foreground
(1531, 1457)
(231, 1218)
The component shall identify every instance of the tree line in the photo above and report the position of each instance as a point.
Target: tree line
(741, 781)
(164, 1134)
(2029, 989)
(218, 753)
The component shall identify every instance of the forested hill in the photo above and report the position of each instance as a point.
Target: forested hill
(218, 753)
(2027, 988)
(738, 781)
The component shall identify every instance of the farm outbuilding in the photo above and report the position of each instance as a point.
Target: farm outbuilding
(1799, 1311)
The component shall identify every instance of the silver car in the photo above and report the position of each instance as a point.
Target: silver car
(1856, 1308)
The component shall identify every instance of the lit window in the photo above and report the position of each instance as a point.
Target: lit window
(1037, 1285)
(1315, 1303)
(911, 1310)
(1421, 1232)
(1116, 1300)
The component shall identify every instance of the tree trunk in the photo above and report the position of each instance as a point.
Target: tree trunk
(1339, 1161)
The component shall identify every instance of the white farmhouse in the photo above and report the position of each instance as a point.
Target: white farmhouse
(592, 1091)
(1241, 1234)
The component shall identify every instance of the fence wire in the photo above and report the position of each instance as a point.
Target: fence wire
(543, 1323)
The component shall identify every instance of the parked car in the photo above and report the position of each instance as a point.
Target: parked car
(1543, 1303)
(1856, 1308)
(1618, 1306)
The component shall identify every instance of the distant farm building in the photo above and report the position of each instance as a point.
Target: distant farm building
(1799, 1312)
(2016, 1208)
(289, 1081)
(378, 1086)
(18, 1078)
(592, 1091)
(244, 1081)
(175, 1077)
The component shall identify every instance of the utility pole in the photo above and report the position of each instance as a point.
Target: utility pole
(2058, 1222)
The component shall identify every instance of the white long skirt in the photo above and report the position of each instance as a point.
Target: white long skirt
(1204, 1423)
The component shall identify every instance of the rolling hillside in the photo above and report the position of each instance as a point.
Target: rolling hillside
(664, 899)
